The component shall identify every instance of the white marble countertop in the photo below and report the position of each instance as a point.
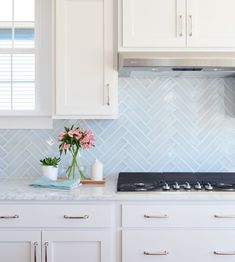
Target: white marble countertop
(19, 190)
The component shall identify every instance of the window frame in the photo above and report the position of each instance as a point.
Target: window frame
(43, 51)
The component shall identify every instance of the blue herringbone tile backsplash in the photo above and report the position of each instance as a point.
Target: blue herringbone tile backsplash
(165, 124)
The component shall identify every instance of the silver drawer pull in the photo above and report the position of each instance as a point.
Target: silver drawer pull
(224, 253)
(35, 244)
(46, 244)
(82, 217)
(224, 216)
(9, 217)
(108, 91)
(158, 216)
(181, 25)
(191, 25)
(161, 253)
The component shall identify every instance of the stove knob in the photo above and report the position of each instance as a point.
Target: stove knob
(187, 186)
(198, 186)
(166, 187)
(209, 187)
(176, 186)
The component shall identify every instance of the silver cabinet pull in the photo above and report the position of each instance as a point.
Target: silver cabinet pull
(108, 94)
(161, 253)
(35, 244)
(224, 216)
(81, 217)
(158, 216)
(224, 253)
(10, 217)
(191, 25)
(181, 25)
(46, 244)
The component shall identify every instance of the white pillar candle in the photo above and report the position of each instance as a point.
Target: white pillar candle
(97, 170)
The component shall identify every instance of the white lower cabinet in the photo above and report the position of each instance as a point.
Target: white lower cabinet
(178, 215)
(20, 246)
(74, 246)
(55, 246)
(69, 216)
(178, 245)
(65, 233)
(118, 232)
(182, 232)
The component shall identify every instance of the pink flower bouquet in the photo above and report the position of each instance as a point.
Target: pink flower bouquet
(72, 140)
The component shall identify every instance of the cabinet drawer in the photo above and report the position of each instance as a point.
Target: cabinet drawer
(178, 215)
(178, 245)
(56, 215)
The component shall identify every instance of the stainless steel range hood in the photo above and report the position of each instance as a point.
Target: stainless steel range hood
(178, 64)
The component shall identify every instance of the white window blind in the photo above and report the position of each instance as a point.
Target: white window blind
(17, 56)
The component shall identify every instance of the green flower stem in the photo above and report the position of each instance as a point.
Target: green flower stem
(71, 171)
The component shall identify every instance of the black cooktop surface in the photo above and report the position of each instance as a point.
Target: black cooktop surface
(217, 181)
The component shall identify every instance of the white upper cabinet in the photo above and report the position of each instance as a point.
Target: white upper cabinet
(153, 23)
(86, 78)
(211, 23)
(176, 25)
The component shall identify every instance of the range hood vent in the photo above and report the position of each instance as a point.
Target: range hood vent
(178, 64)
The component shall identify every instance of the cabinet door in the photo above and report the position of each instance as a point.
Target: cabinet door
(74, 246)
(211, 23)
(20, 246)
(153, 23)
(86, 82)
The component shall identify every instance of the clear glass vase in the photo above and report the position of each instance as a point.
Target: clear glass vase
(75, 169)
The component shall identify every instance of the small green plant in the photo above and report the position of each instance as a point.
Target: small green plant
(49, 161)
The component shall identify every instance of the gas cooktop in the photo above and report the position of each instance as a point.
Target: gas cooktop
(175, 181)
